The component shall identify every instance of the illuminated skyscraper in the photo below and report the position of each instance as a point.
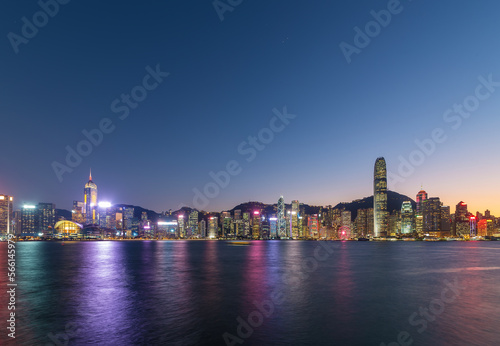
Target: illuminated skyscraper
(46, 216)
(294, 219)
(6, 214)
(345, 229)
(90, 201)
(202, 228)
(421, 198)
(461, 224)
(313, 226)
(445, 219)
(432, 215)
(213, 227)
(407, 218)
(380, 198)
(256, 225)
(28, 220)
(281, 220)
(273, 226)
(193, 222)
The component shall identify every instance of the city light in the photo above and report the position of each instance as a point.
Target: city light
(167, 223)
(273, 219)
(105, 204)
(29, 206)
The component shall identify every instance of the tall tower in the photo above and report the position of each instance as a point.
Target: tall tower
(281, 222)
(90, 201)
(380, 198)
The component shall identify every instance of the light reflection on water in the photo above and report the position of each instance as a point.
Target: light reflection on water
(191, 292)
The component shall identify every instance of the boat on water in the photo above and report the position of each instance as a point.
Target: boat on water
(239, 242)
(363, 239)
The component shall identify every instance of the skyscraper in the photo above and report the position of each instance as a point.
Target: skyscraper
(6, 214)
(380, 198)
(28, 220)
(421, 198)
(90, 201)
(294, 223)
(46, 216)
(407, 218)
(461, 224)
(432, 215)
(281, 222)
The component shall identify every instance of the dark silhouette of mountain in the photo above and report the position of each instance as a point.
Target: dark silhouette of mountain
(63, 214)
(394, 202)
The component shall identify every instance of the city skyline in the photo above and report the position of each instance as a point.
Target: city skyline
(17, 203)
(221, 84)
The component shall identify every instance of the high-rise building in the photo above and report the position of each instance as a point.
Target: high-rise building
(237, 214)
(256, 225)
(28, 220)
(181, 226)
(407, 218)
(361, 223)
(313, 226)
(46, 216)
(90, 201)
(461, 222)
(6, 216)
(394, 223)
(445, 219)
(226, 223)
(421, 198)
(128, 215)
(193, 223)
(265, 228)
(432, 215)
(294, 223)
(345, 229)
(202, 228)
(78, 212)
(273, 226)
(246, 224)
(213, 227)
(380, 214)
(281, 222)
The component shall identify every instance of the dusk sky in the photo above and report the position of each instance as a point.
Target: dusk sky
(226, 77)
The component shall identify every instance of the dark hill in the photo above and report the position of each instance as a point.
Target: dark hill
(394, 202)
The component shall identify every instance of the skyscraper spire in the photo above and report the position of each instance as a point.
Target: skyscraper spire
(90, 176)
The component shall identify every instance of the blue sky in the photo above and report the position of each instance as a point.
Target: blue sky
(226, 77)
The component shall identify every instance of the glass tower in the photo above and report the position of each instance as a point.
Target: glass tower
(380, 198)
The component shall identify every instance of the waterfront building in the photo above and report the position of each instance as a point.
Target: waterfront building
(6, 215)
(281, 216)
(28, 220)
(407, 218)
(380, 213)
(213, 227)
(90, 201)
(313, 226)
(46, 216)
